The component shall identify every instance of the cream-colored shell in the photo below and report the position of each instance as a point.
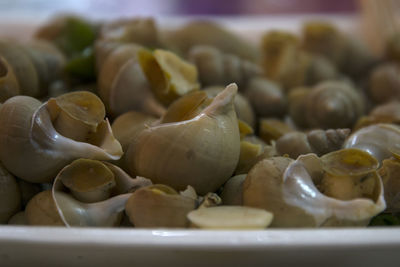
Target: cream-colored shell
(287, 189)
(33, 150)
(379, 140)
(122, 83)
(201, 152)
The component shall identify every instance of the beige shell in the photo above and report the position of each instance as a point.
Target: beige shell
(141, 31)
(127, 126)
(351, 56)
(330, 104)
(216, 67)
(285, 62)
(384, 113)
(88, 180)
(122, 83)
(232, 193)
(41, 210)
(267, 98)
(380, 140)
(99, 213)
(390, 173)
(201, 152)
(34, 65)
(36, 133)
(272, 129)
(243, 108)
(324, 39)
(159, 206)
(10, 195)
(384, 83)
(209, 33)
(291, 190)
(9, 85)
(319, 142)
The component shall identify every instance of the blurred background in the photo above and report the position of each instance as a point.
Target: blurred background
(366, 18)
(117, 8)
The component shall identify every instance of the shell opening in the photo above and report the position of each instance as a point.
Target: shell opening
(88, 180)
(75, 115)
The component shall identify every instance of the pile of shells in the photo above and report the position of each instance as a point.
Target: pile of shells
(122, 124)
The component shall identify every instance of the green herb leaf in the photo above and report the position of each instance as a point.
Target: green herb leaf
(82, 66)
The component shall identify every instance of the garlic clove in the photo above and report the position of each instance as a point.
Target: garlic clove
(230, 217)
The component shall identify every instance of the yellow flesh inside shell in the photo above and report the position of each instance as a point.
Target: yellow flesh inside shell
(79, 114)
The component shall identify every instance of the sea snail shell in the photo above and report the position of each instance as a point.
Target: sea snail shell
(31, 145)
(202, 152)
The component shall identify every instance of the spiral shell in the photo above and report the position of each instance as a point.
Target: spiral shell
(267, 98)
(35, 65)
(349, 55)
(384, 83)
(142, 31)
(159, 206)
(285, 62)
(319, 142)
(330, 104)
(291, 190)
(46, 137)
(122, 83)
(243, 108)
(218, 68)
(201, 152)
(211, 34)
(380, 140)
(385, 113)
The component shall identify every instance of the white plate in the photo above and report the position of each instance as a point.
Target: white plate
(50, 246)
